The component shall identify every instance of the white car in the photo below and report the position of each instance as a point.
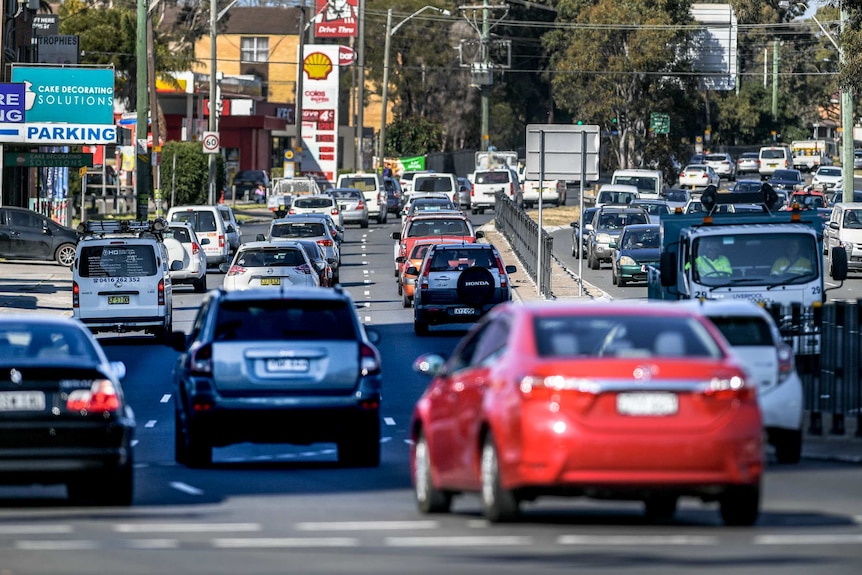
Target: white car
(271, 265)
(307, 228)
(698, 176)
(321, 204)
(827, 177)
(770, 364)
(183, 245)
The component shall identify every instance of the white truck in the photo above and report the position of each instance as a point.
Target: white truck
(553, 191)
(283, 190)
(650, 183)
(808, 155)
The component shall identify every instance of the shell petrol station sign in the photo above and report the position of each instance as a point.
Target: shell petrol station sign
(320, 111)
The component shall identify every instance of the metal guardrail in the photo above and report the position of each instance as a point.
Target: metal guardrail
(522, 233)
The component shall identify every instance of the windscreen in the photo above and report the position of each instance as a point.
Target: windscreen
(365, 184)
(492, 177)
(284, 319)
(180, 234)
(117, 261)
(36, 342)
(420, 229)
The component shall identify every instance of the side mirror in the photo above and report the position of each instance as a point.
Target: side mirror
(480, 234)
(230, 229)
(395, 236)
(331, 261)
(430, 364)
(260, 238)
(224, 268)
(834, 225)
(400, 260)
(575, 225)
(612, 245)
(119, 369)
(374, 336)
(411, 271)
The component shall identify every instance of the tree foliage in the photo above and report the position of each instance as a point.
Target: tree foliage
(413, 137)
(188, 184)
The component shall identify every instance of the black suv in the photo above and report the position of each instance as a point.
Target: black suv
(458, 283)
(295, 366)
(28, 235)
(245, 182)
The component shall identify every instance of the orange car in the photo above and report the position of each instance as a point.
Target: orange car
(612, 400)
(439, 226)
(807, 200)
(407, 281)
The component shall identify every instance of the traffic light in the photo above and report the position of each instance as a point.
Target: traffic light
(580, 122)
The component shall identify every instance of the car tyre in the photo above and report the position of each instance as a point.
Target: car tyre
(429, 499)
(381, 218)
(788, 446)
(181, 452)
(420, 327)
(107, 488)
(474, 211)
(363, 224)
(360, 447)
(406, 301)
(660, 508)
(593, 263)
(739, 505)
(65, 255)
(621, 282)
(200, 285)
(198, 452)
(614, 278)
(498, 504)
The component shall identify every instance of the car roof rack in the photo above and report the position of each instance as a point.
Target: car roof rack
(765, 197)
(140, 228)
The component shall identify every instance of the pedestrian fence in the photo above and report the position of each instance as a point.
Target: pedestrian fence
(522, 233)
(828, 346)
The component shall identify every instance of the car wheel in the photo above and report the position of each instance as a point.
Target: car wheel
(65, 255)
(593, 263)
(574, 247)
(361, 447)
(114, 488)
(200, 285)
(621, 282)
(198, 452)
(475, 285)
(405, 300)
(381, 218)
(336, 277)
(181, 453)
(420, 327)
(400, 288)
(363, 224)
(428, 498)
(740, 505)
(614, 277)
(660, 507)
(788, 446)
(498, 504)
(474, 211)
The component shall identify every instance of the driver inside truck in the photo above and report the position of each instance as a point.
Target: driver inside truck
(711, 261)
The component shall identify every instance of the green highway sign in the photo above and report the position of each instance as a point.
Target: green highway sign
(44, 160)
(659, 123)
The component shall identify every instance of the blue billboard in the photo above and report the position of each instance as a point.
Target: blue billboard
(67, 95)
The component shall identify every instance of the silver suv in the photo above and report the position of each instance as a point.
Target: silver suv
(458, 283)
(608, 223)
(278, 366)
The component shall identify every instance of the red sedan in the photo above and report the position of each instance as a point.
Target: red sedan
(607, 400)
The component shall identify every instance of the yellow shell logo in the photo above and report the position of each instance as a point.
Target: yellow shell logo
(317, 65)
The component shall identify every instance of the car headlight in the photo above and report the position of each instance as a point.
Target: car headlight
(627, 261)
(603, 238)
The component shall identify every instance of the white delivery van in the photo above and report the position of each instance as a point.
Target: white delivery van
(650, 183)
(845, 230)
(773, 158)
(208, 222)
(616, 195)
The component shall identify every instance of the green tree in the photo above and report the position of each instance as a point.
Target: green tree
(616, 62)
(413, 137)
(188, 185)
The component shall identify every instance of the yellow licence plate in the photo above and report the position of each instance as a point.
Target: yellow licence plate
(270, 281)
(112, 299)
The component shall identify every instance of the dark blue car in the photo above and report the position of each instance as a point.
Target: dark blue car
(637, 248)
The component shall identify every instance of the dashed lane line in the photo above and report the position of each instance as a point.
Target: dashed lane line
(366, 525)
(186, 488)
(635, 540)
(458, 541)
(285, 542)
(186, 527)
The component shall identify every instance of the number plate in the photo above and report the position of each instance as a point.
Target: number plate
(112, 299)
(292, 365)
(463, 311)
(22, 401)
(270, 281)
(647, 403)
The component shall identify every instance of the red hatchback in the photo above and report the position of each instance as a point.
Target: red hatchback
(606, 400)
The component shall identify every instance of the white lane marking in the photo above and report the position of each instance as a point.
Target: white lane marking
(152, 422)
(368, 292)
(385, 439)
(408, 441)
(365, 263)
(153, 543)
(857, 519)
(635, 540)
(366, 281)
(389, 420)
(368, 317)
(186, 527)
(460, 541)
(273, 542)
(34, 529)
(186, 488)
(366, 525)
(134, 443)
(365, 272)
(74, 545)
(167, 397)
(813, 539)
(830, 284)
(478, 523)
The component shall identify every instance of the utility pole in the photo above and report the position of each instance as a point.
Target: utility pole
(486, 68)
(774, 81)
(360, 92)
(142, 164)
(212, 198)
(846, 122)
(300, 73)
(151, 61)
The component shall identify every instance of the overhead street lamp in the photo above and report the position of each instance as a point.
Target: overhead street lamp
(389, 32)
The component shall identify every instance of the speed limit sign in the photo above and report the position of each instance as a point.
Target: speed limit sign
(211, 142)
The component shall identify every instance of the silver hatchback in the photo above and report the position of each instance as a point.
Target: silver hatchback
(271, 265)
(352, 204)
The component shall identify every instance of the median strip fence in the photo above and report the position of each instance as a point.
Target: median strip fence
(522, 233)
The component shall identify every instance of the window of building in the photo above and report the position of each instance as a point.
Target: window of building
(254, 49)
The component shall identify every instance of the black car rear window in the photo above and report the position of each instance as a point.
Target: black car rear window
(493, 177)
(432, 184)
(117, 261)
(421, 229)
(299, 230)
(279, 320)
(744, 330)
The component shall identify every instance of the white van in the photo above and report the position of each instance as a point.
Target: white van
(121, 278)
(845, 230)
(373, 188)
(773, 158)
(208, 222)
(649, 183)
(616, 195)
(486, 185)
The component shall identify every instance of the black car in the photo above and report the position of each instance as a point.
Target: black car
(637, 248)
(576, 230)
(394, 197)
(28, 235)
(63, 416)
(294, 366)
(245, 182)
(787, 180)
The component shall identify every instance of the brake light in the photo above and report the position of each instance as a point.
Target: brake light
(325, 243)
(100, 398)
(195, 248)
(472, 192)
(201, 360)
(785, 361)
(291, 211)
(161, 292)
(304, 268)
(728, 388)
(334, 211)
(578, 393)
(221, 242)
(76, 295)
(423, 281)
(502, 269)
(360, 206)
(236, 270)
(369, 360)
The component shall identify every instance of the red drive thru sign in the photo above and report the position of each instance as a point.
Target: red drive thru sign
(336, 18)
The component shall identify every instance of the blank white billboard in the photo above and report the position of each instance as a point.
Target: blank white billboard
(716, 52)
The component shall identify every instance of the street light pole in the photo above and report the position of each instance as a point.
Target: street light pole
(213, 125)
(381, 144)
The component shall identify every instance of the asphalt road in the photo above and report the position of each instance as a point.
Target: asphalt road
(291, 509)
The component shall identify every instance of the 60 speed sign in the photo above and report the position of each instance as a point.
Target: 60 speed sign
(211, 142)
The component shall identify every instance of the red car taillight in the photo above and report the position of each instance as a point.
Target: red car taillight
(304, 268)
(423, 281)
(502, 270)
(728, 388)
(577, 393)
(369, 360)
(360, 206)
(221, 242)
(334, 211)
(325, 243)
(76, 295)
(236, 270)
(291, 211)
(100, 398)
(785, 361)
(161, 292)
(195, 248)
(201, 360)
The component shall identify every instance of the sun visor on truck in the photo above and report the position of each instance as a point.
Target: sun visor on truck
(766, 197)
